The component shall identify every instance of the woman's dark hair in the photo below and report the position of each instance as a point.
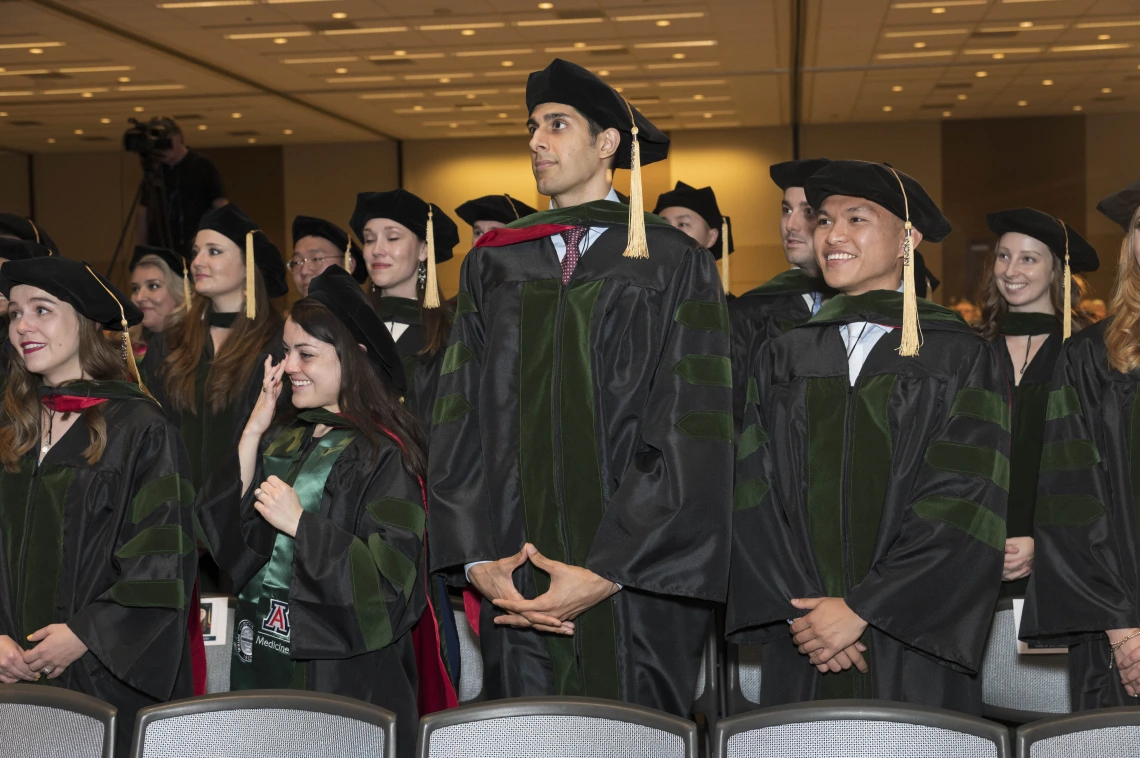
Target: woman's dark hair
(366, 400)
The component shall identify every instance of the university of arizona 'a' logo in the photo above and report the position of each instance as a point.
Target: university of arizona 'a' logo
(277, 620)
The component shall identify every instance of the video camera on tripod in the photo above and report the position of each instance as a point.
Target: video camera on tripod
(150, 137)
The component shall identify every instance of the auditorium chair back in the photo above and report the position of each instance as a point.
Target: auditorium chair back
(1090, 734)
(38, 721)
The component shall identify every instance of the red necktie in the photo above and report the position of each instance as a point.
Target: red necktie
(570, 260)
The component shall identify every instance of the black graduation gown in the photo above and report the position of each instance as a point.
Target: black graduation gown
(357, 585)
(890, 494)
(1030, 398)
(422, 371)
(594, 421)
(762, 314)
(211, 436)
(1086, 575)
(107, 549)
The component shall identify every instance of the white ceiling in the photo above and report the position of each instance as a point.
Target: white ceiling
(340, 70)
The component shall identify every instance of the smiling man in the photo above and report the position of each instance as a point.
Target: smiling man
(581, 444)
(868, 531)
(790, 298)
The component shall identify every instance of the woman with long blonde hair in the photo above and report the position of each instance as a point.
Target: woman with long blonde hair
(160, 289)
(1024, 314)
(1085, 591)
(96, 561)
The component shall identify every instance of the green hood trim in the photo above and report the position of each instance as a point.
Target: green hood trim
(111, 390)
(884, 307)
(794, 281)
(594, 213)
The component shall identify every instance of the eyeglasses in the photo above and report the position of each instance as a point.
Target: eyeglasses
(297, 263)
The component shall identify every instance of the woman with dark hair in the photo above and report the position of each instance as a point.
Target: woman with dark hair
(404, 238)
(1085, 589)
(320, 519)
(207, 370)
(1027, 314)
(97, 558)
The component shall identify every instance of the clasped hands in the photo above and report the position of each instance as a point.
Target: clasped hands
(829, 634)
(1127, 658)
(57, 648)
(573, 591)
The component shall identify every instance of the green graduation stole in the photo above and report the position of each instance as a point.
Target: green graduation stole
(261, 657)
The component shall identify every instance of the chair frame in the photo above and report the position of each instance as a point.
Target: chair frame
(735, 703)
(299, 700)
(710, 705)
(1074, 722)
(66, 700)
(865, 710)
(1011, 715)
(588, 707)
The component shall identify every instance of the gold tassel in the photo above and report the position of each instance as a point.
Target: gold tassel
(348, 255)
(1067, 331)
(128, 348)
(511, 203)
(911, 330)
(250, 278)
(636, 245)
(431, 286)
(186, 294)
(725, 279)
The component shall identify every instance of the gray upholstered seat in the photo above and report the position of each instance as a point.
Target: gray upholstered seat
(266, 724)
(844, 728)
(1091, 734)
(37, 721)
(218, 659)
(743, 674)
(555, 728)
(470, 657)
(1021, 688)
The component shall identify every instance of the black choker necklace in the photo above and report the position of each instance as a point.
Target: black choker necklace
(222, 320)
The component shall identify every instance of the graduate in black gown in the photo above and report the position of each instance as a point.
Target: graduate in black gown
(320, 517)
(160, 288)
(404, 238)
(581, 444)
(318, 244)
(1023, 313)
(491, 212)
(97, 557)
(1084, 591)
(790, 298)
(872, 471)
(696, 213)
(12, 249)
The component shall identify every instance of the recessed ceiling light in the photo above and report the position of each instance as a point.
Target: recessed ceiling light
(938, 10)
(202, 127)
(507, 64)
(998, 56)
(981, 74)
(139, 109)
(1106, 90)
(453, 125)
(1022, 103)
(962, 97)
(417, 107)
(502, 115)
(708, 115)
(919, 45)
(468, 32)
(897, 88)
(3, 114)
(342, 70)
(1047, 82)
(124, 79)
(698, 97)
(51, 140)
(340, 14)
(663, 22)
(36, 51)
(445, 80)
(1078, 108)
(104, 121)
(88, 94)
(1026, 24)
(79, 131)
(401, 53)
(579, 44)
(1103, 37)
(279, 41)
(235, 115)
(603, 72)
(946, 114)
(678, 56)
(252, 140)
(546, 6)
(887, 109)
(288, 131)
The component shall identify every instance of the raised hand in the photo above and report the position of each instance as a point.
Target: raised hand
(262, 415)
